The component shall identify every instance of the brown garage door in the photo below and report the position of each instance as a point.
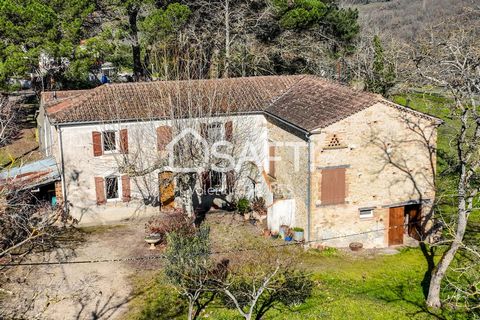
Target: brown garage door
(396, 228)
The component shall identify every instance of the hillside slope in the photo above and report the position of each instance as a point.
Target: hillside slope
(406, 19)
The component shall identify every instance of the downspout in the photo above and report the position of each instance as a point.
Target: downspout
(309, 189)
(64, 187)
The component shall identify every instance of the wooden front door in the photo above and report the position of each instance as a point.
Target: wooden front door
(167, 190)
(396, 227)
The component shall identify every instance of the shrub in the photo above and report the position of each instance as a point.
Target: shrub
(243, 205)
(297, 229)
(190, 269)
(176, 221)
(258, 205)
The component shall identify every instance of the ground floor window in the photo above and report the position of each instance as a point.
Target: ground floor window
(366, 213)
(213, 182)
(111, 187)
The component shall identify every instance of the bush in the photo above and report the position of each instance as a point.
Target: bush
(176, 221)
(243, 205)
(258, 205)
(297, 229)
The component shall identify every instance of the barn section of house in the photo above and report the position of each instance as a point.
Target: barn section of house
(337, 183)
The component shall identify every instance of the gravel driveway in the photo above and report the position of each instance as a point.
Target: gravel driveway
(99, 290)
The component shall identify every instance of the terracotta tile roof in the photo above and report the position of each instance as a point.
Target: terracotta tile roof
(314, 103)
(307, 102)
(164, 99)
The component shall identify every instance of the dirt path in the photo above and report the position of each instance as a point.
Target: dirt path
(82, 291)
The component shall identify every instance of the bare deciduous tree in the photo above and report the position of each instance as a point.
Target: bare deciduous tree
(450, 61)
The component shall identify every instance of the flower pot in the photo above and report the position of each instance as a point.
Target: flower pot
(298, 236)
(288, 238)
(356, 246)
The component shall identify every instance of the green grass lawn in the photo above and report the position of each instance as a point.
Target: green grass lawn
(366, 285)
(346, 287)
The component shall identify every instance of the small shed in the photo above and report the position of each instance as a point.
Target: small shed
(40, 177)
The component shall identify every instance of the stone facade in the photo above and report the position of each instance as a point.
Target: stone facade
(387, 164)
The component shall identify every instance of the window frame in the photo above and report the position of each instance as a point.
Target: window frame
(366, 216)
(217, 125)
(222, 188)
(119, 188)
(116, 144)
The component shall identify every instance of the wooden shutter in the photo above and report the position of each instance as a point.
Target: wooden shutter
(206, 181)
(271, 165)
(100, 190)
(229, 131)
(124, 141)
(97, 143)
(204, 130)
(164, 136)
(332, 190)
(230, 181)
(126, 188)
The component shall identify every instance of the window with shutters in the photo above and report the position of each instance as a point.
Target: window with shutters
(109, 141)
(215, 131)
(112, 188)
(214, 182)
(333, 186)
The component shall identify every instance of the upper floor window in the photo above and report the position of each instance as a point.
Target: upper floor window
(215, 131)
(109, 140)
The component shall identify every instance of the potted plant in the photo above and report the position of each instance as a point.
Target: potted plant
(243, 207)
(356, 246)
(282, 231)
(289, 236)
(298, 234)
(266, 233)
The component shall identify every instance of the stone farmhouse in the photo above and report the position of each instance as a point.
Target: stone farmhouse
(345, 165)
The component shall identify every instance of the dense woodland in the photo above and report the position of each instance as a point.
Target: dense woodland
(170, 39)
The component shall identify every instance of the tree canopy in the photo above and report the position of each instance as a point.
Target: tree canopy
(62, 44)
